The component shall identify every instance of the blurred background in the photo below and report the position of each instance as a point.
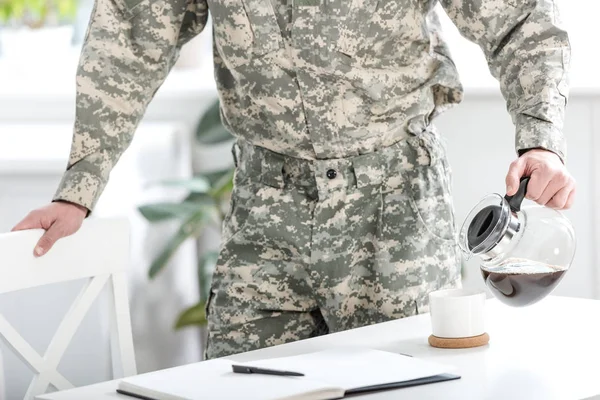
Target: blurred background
(173, 182)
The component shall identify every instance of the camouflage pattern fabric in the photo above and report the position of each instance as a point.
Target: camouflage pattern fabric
(318, 246)
(313, 79)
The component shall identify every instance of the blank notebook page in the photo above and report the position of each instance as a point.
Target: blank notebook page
(352, 368)
(214, 380)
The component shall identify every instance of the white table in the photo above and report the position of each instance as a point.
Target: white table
(547, 351)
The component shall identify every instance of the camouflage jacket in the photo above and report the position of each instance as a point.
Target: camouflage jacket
(313, 79)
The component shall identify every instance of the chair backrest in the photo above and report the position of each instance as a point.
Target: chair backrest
(99, 253)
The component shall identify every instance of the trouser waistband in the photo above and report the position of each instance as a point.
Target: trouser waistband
(277, 170)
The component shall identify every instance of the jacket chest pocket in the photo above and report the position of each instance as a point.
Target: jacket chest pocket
(354, 27)
(383, 33)
(244, 30)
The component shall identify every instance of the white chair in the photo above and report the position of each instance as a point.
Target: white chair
(99, 252)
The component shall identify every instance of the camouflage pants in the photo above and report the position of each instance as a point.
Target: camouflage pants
(311, 247)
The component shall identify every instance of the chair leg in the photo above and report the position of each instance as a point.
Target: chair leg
(121, 340)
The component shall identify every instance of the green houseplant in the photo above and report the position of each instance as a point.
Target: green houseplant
(35, 14)
(204, 206)
(37, 29)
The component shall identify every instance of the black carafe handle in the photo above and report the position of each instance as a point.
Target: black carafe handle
(515, 200)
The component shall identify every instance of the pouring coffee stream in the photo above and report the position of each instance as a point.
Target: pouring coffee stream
(524, 251)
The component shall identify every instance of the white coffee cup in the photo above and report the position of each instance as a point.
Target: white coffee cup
(457, 313)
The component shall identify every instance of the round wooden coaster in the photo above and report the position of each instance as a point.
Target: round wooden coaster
(459, 343)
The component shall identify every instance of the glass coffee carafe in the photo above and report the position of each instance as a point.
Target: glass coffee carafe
(524, 252)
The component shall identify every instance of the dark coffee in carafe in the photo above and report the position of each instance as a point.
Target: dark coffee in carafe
(519, 282)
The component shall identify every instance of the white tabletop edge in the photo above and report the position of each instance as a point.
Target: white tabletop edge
(107, 390)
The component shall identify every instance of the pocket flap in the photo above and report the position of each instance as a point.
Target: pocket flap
(267, 34)
(355, 25)
(369, 169)
(130, 8)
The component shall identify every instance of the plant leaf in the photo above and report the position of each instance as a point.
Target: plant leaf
(4, 13)
(210, 129)
(214, 135)
(202, 199)
(18, 10)
(214, 176)
(190, 228)
(206, 265)
(165, 211)
(197, 184)
(223, 185)
(195, 315)
(65, 8)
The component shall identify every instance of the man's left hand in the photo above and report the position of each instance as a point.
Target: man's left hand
(550, 185)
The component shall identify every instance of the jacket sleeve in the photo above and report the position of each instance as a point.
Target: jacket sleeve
(129, 48)
(528, 51)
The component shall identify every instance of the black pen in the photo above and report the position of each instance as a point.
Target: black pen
(245, 369)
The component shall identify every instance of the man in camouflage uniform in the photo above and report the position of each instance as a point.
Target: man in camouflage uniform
(341, 215)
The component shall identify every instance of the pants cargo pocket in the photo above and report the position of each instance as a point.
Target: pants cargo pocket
(241, 203)
(417, 228)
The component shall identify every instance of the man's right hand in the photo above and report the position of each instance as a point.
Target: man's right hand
(58, 219)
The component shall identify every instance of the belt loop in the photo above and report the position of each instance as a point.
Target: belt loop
(436, 146)
(428, 144)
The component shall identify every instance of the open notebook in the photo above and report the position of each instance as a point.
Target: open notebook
(329, 374)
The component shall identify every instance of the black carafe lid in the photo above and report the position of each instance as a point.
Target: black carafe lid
(483, 233)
